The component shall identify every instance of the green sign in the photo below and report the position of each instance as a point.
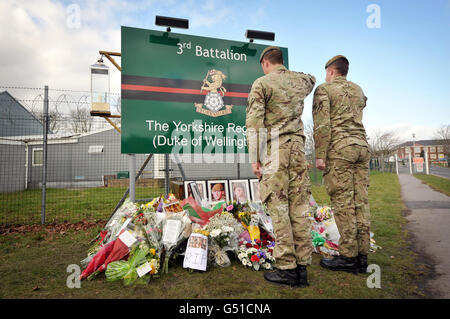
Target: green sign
(185, 94)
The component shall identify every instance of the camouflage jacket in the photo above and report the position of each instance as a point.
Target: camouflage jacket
(337, 114)
(276, 102)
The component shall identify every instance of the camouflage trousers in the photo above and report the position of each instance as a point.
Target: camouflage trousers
(285, 189)
(346, 179)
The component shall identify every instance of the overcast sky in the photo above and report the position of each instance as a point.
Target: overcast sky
(402, 65)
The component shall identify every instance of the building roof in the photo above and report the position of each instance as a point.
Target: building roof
(423, 143)
(15, 119)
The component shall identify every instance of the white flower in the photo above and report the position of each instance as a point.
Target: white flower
(215, 232)
(227, 229)
(267, 266)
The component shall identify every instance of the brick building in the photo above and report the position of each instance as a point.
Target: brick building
(435, 149)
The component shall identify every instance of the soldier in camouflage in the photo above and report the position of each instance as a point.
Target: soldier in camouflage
(342, 152)
(275, 105)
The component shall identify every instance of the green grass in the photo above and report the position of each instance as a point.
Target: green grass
(24, 207)
(438, 183)
(34, 265)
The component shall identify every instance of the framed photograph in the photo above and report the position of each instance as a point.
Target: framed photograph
(254, 188)
(218, 191)
(239, 190)
(201, 188)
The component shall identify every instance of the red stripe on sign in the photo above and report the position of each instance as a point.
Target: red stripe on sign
(134, 87)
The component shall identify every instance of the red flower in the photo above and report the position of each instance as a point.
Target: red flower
(255, 259)
(270, 250)
(258, 241)
(265, 243)
(248, 245)
(256, 246)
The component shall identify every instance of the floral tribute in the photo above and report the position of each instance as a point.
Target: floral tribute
(139, 240)
(257, 254)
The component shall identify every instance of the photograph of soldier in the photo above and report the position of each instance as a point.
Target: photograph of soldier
(201, 186)
(276, 100)
(254, 188)
(240, 191)
(218, 191)
(342, 153)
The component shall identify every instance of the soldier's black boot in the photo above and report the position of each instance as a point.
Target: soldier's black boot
(341, 263)
(302, 276)
(287, 277)
(362, 263)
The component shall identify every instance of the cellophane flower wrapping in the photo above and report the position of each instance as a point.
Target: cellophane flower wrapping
(176, 229)
(111, 230)
(127, 270)
(224, 230)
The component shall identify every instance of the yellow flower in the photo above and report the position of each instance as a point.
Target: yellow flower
(152, 251)
(154, 264)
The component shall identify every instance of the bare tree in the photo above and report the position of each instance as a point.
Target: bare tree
(54, 118)
(81, 120)
(309, 142)
(443, 134)
(383, 144)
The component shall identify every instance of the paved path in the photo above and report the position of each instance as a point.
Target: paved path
(429, 222)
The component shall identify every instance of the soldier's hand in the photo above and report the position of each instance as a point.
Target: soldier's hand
(320, 164)
(256, 167)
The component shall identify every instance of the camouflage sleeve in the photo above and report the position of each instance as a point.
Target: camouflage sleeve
(255, 118)
(321, 118)
(310, 82)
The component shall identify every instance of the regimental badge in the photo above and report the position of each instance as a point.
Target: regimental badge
(214, 98)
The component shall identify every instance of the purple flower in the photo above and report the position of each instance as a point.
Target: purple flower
(272, 244)
(261, 254)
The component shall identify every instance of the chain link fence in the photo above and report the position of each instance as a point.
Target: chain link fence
(86, 176)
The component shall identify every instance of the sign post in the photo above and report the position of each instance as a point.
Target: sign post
(427, 168)
(418, 162)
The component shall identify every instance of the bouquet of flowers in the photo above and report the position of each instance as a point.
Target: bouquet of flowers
(111, 230)
(224, 219)
(150, 222)
(257, 254)
(140, 267)
(222, 239)
(223, 231)
(236, 208)
(176, 228)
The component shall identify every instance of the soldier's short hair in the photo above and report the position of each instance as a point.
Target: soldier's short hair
(274, 56)
(340, 65)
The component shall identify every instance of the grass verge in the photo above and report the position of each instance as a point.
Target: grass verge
(438, 183)
(34, 265)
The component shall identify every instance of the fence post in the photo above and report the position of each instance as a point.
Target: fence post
(410, 164)
(132, 176)
(396, 164)
(166, 172)
(44, 155)
(426, 164)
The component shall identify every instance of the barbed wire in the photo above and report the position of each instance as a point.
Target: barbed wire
(51, 89)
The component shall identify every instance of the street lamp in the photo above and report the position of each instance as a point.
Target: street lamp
(100, 88)
(171, 22)
(260, 35)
